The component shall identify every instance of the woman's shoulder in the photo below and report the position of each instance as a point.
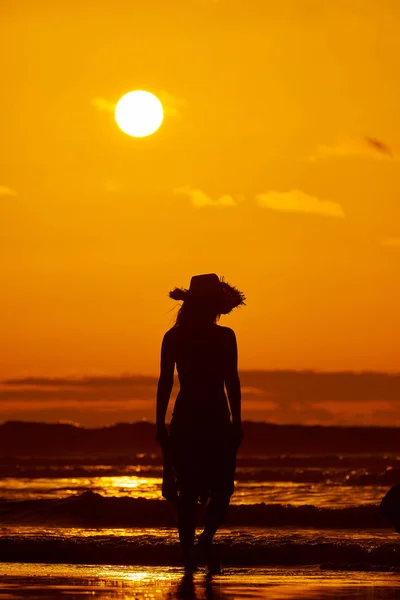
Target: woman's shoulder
(170, 336)
(225, 332)
(171, 333)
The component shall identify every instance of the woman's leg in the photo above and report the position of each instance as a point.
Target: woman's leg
(222, 473)
(216, 511)
(186, 519)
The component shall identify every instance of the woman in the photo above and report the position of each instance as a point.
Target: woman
(205, 430)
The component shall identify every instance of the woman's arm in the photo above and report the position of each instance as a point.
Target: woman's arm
(165, 384)
(232, 383)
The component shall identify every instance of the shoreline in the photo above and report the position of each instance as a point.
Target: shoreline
(106, 582)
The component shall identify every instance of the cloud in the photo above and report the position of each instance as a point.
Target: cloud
(365, 147)
(172, 105)
(391, 242)
(200, 198)
(379, 146)
(86, 389)
(285, 387)
(305, 388)
(277, 396)
(103, 105)
(308, 397)
(296, 201)
(88, 381)
(6, 191)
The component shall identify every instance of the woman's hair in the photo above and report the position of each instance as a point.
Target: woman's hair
(197, 312)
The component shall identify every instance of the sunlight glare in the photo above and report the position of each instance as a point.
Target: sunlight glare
(139, 113)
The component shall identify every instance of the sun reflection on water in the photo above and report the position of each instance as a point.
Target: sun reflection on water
(138, 485)
(56, 581)
(148, 487)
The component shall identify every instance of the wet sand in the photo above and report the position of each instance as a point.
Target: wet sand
(44, 581)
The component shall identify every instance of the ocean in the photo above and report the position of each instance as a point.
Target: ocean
(287, 509)
(81, 513)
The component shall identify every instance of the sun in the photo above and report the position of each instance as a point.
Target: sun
(139, 113)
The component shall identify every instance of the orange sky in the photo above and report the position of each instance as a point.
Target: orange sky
(269, 103)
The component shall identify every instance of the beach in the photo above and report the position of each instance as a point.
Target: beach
(106, 582)
(300, 526)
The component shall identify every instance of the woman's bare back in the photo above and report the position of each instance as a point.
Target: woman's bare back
(204, 359)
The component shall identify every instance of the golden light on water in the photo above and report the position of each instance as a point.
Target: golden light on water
(139, 113)
(148, 487)
(166, 583)
(133, 485)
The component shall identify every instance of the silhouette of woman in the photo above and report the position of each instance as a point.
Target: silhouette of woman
(205, 433)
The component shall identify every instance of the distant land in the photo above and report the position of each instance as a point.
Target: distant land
(34, 439)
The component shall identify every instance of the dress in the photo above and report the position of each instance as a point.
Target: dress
(201, 455)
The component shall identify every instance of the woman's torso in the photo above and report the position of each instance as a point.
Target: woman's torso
(200, 356)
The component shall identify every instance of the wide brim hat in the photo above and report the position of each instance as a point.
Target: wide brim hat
(211, 288)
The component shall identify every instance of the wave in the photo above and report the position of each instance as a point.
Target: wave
(355, 461)
(91, 509)
(349, 477)
(235, 551)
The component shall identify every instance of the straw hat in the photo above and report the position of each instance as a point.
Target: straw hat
(209, 287)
